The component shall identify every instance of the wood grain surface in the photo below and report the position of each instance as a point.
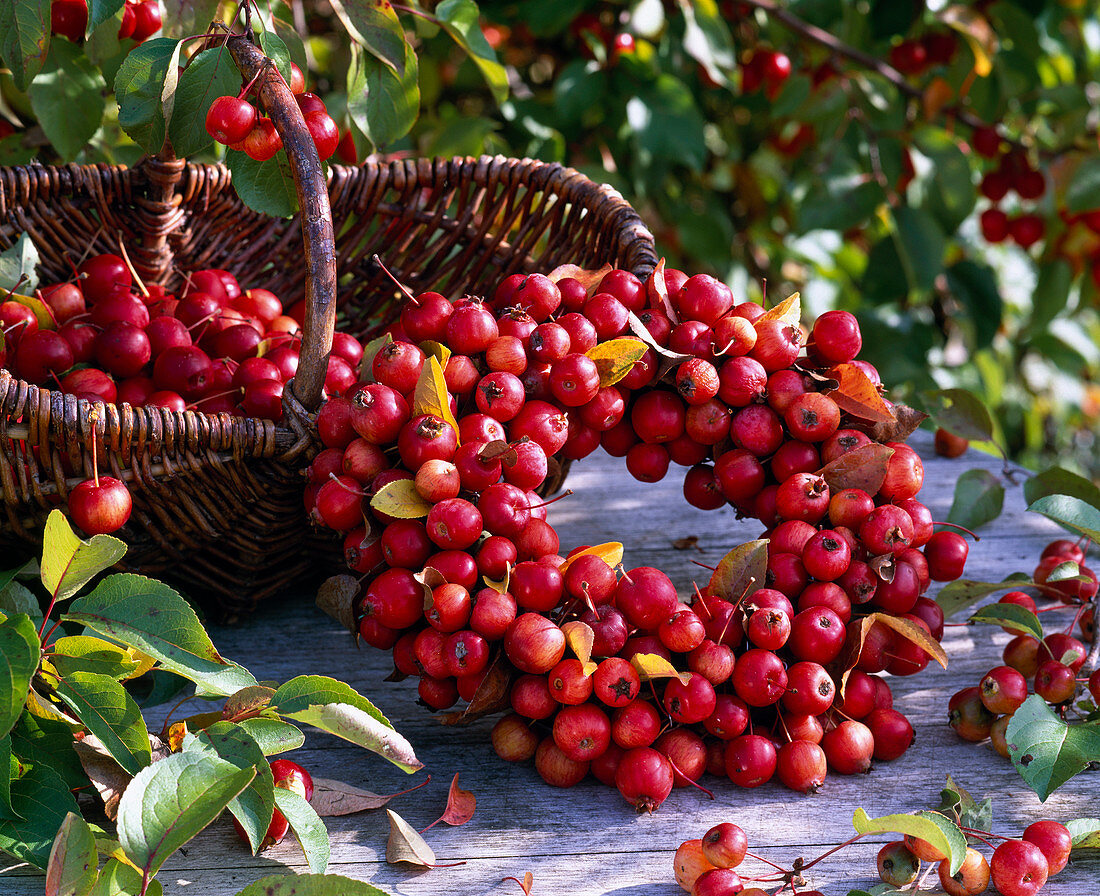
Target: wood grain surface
(586, 840)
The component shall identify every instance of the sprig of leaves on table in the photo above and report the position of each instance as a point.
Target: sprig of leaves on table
(68, 723)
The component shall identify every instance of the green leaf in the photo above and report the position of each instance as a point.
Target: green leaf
(1057, 481)
(960, 411)
(957, 595)
(382, 105)
(282, 23)
(1083, 193)
(664, 123)
(68, 563)
(169, 802)
(975, 286)
(99, 11)
(20, 650)
(707, 39)
(42, 800)
(116, 878)
(1013, 616)
(188, 16)
(932, 827)
(51, 743)
(374, 26)
(9, 575)
(68, 99)
(979, 498)
(253, 806)
(1051, 294)
(276, 51)
(1045, 750)
(209, 75)
(266, 187)
(24, 38)
(17, 266)
(83, 653)
(309, 885)
(921, 245)
(150, 616)
(950, 195)
(1085, 832)
(74, 859)
(9, 769)
(336, 708)
(307, 827)
(17, 598)
(460, 19)
(1072, 513)
(836, 204)
(958, 801)
(111, 714)
(273, 735)
(139, 88)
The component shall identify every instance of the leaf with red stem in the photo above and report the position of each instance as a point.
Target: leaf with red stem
(589, 279)
(525, 884)
(460, 805)
(331, 798)
(741, 570)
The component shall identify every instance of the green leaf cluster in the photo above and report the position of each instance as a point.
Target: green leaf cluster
(65, 708)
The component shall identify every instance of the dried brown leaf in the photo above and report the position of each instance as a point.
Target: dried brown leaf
(863, 467)
(491, 696)
(580, 638)
(461, 805)
(108, 777)
(337, 596)
(908, 419)
(657, 290)
(589, 279)
(331, 798)
(855, 394)
(741, 571)
(406, 845)
(687, 543)
(248, 701)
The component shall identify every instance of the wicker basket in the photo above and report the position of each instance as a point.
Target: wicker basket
(218, 499)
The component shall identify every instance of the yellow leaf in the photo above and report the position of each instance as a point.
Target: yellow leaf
(41, 311)
(975, 27)
(913, 632)
(653, 665)
(789, 311)
(588, 279)
(936, 95)
(436, 350)
(615, 358)
(400, 499)
(431, 395)
(177, 731)
(372, 348)
(143, 660)
(611, 553)
(580, 638)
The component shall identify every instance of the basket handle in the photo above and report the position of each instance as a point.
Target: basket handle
(316, 216)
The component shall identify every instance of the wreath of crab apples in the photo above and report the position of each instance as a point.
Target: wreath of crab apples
(432, 468)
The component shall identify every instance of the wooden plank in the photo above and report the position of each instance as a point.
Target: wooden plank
(586, 840)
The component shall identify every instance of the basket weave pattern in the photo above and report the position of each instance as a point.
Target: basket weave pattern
(218, 499)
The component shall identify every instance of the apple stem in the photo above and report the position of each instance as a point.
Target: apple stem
(129, 264)
(405, 291)
(564, 494)
(956, 526)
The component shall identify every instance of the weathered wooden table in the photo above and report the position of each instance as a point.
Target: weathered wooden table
(587, 840)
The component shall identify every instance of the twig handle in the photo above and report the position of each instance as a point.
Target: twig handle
(317, 233)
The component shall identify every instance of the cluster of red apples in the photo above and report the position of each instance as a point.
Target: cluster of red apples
(432, 466)
(1048, 667)
(108, 337)
(141, 19)
(1018, 866)
(234, 122)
